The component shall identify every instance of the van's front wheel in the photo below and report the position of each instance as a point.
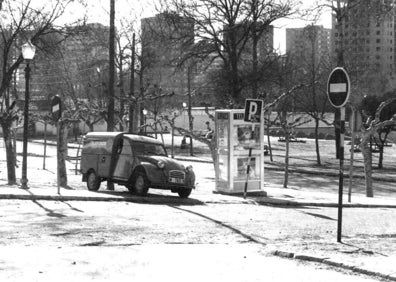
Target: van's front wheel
(184, 193)
(93, 181)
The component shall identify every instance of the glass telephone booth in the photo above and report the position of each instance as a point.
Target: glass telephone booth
(234, 139)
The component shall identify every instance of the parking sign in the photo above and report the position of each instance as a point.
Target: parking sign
(253, 108)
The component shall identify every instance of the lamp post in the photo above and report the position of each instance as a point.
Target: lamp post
(28, 51)
(145, 121)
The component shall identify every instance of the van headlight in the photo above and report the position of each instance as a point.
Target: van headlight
(161, 164)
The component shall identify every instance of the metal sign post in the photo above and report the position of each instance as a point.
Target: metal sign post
(253, 108)
(338, 90)
(341, 174)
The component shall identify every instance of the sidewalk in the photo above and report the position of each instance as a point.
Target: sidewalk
(42, 184)
(375, 265)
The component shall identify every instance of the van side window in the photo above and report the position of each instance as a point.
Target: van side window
(119, 146)
(126, 149)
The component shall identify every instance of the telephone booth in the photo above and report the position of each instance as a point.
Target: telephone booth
(235, 137)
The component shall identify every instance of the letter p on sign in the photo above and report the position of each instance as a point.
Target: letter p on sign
(253, 109)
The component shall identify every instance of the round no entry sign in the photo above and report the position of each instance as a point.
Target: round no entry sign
(56, 108)
(338, 87)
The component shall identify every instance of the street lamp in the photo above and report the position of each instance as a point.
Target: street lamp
(28, 51)
(184, 114)
(145, 121)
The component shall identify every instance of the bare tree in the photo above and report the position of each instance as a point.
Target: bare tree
(20, 23)
(223, 30)
(370, 128)
(312, 65)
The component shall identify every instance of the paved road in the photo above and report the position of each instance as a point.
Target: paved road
(102, 240)
(159, 262)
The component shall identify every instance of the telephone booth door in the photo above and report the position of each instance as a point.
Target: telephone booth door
(234, 139)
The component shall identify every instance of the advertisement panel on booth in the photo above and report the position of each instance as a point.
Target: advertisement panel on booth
(242, 137)
(241, 168)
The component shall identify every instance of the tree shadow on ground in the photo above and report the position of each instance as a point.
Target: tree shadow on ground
(50, 213)
(153, 198)
(247, 237)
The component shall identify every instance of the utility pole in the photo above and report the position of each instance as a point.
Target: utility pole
(132, 120)
(110, 105)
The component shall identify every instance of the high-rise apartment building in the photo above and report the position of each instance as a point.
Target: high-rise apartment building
(367, 39)
(312, 40)
(165, 37)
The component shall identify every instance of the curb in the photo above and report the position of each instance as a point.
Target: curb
(325, 205)
(176, 200)
(329, 173)
(329, 262)
(158, 199)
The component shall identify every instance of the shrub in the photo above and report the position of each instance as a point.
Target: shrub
(301, 134)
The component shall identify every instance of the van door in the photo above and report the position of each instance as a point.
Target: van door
(104, 158)
(123, 160)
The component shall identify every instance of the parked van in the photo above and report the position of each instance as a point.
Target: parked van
(136, 161)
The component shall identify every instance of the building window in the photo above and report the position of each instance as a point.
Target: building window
(378, 48)
(378, 40)
(378, 32)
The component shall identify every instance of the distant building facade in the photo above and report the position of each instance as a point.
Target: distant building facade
(367, 38)
(72, 68)
(309, 41)
(164, 39)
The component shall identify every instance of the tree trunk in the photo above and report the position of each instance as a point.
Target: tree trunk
(367, 158)
(10, 156)
(254, 50)
(213, 153)
(318, 162)
(381, 156)
(269, 146)
(286, 179)
(62, 147)
(110, 106)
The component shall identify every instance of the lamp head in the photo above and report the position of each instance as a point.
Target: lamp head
(144, 112)
(28, 50)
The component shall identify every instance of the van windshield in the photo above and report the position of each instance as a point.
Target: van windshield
(141, 148)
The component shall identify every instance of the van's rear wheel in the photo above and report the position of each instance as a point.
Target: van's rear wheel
(93, 181)
(140, 184)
